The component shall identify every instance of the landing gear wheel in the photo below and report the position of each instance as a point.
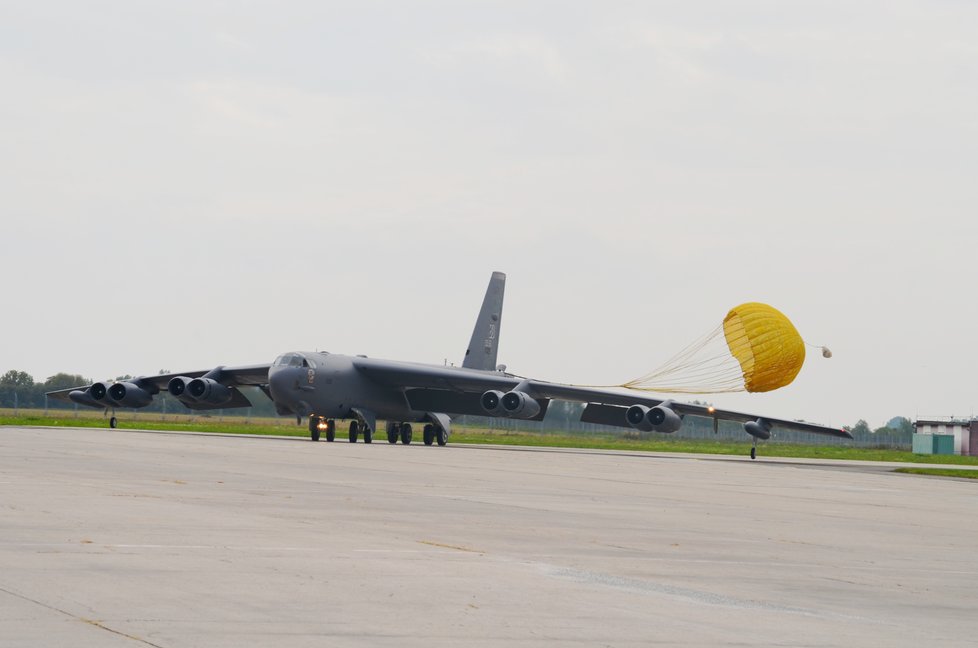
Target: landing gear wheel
(392, 432)
(406, 433)
(441, 437)
(314, 423)
(330, 430)
(113, 422)
(429, 434)
(354, 431)
(368, 435)
(753, 450)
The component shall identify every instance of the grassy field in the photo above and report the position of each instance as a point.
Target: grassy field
(475, 435)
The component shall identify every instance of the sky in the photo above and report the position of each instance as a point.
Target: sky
(192, 184)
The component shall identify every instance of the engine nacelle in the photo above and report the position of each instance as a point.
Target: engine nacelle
(127, 394)
(519, 405)
(84, 397)
(664, 419)
(636, 415)
(208, 390)
(759, 429)
(492, 403)
(178, 387)
(99, 391)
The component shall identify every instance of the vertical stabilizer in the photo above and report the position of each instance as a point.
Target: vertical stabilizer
(481, 353)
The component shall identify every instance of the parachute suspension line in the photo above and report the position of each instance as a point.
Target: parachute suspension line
(755, 349)
(702, 367)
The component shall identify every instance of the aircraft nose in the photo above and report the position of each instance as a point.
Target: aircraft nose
(283, 386)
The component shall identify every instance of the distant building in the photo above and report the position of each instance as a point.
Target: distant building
(965, 433)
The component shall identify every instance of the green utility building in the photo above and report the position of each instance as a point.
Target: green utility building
(946, 437)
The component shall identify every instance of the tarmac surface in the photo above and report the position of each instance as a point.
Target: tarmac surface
(112, 538)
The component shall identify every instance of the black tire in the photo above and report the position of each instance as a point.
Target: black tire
(406, 433)
(441, 437)
(429, 434)
(368, 435)
(753, 453)
(330, 431)
(392, 432)
(354, 431)
(113, 422)
(314, 430)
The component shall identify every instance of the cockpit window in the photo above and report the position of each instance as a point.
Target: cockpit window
(291, 360)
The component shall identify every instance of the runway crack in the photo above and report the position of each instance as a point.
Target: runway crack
(91, 622)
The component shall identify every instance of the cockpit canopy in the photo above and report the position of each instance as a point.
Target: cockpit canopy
(291, 360)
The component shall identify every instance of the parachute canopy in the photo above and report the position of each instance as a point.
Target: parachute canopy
(755, 349)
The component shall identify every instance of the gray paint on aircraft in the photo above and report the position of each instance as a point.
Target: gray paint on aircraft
(334, 386)
(484, 345)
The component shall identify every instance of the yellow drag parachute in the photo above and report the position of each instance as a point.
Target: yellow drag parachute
(756, 349)
(766, 344)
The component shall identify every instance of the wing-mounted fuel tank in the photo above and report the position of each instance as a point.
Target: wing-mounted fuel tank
(759, 429)
(661, 418)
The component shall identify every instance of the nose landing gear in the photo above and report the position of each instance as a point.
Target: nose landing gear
(318, 425)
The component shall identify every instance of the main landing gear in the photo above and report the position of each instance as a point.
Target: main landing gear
(433, 433)
(357, 428)
(400, 431)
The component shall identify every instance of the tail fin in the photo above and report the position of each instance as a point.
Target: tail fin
(481, 353)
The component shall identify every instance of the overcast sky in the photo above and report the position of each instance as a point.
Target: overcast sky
(186, 184)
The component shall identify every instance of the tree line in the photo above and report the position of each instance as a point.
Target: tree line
(19, 389)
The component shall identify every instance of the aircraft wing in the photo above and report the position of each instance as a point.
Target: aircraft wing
(457, 391)
(231, 377)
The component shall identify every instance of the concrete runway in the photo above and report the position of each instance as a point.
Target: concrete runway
(119, 538)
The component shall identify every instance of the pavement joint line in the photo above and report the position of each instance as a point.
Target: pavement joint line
(92, 622)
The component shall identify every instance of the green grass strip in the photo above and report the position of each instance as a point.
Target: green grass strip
(963, 473)
(473, 435)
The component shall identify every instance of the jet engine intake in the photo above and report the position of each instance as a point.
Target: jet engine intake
(663, 419)
(178, 387)
(127, 394)
(99, 391)
(759, 429)
(518, 404)
(208, 390)
(636, 415)
(492, 403)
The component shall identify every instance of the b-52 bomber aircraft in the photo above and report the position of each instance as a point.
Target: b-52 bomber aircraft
(326, 387)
